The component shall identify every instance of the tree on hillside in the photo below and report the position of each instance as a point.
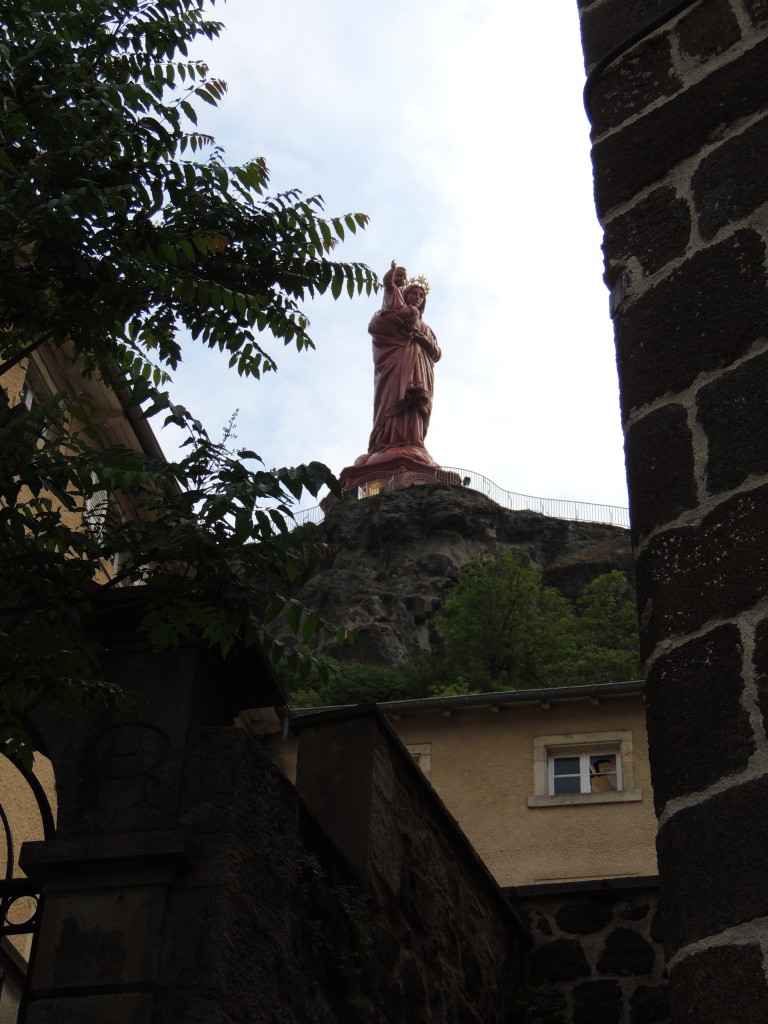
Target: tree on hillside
(353, 682)
(607, 629)
(503, 630)
(125, 238)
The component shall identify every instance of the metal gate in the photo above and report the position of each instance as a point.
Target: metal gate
(25, 810)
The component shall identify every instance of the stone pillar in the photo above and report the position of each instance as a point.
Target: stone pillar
(680, 149)
(120, 845)
(335, 775)
(134, 913)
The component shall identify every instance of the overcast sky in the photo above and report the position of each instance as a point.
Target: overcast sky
(458, 128)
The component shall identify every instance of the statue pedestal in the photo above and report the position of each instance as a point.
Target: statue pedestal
(395, 467)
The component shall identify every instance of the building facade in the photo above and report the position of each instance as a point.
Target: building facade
(548, 785)
(552, 789)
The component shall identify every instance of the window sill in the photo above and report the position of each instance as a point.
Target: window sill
(581, 799)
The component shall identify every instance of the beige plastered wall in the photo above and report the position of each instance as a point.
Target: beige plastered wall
(482, 766)
(40, 371)
(50, 371)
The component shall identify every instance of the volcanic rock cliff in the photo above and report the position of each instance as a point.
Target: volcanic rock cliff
(390, 559)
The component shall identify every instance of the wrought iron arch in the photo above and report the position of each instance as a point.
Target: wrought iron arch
(13, 889)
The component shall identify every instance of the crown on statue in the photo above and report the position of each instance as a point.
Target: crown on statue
(421, 281)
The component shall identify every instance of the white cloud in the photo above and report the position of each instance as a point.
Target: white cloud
(459, 129)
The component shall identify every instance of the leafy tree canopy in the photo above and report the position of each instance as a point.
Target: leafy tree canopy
(124, 238)
(504, 630)
(496, 619)
(352, 682)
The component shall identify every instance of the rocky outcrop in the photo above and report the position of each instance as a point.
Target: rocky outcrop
(390, 559)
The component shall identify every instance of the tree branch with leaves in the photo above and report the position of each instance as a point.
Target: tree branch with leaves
(126, 239)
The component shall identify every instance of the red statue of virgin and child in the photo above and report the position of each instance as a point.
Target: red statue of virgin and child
(405, 351)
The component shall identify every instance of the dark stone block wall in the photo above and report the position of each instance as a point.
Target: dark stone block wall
(598, 956)
(680, 142)
(462, 947)
(189, 881)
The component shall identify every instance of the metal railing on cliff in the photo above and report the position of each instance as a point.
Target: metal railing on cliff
(556, 508)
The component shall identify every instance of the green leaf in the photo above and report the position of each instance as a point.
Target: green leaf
(294, 616)
(128, 241)
(309, 629)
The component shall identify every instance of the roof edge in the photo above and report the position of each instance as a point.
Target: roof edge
(590, 885)
(544, 695)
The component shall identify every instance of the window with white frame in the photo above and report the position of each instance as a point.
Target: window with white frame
(584, 772)
(100, 510)
(28, 396)
(95, 508)
(583, 768)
